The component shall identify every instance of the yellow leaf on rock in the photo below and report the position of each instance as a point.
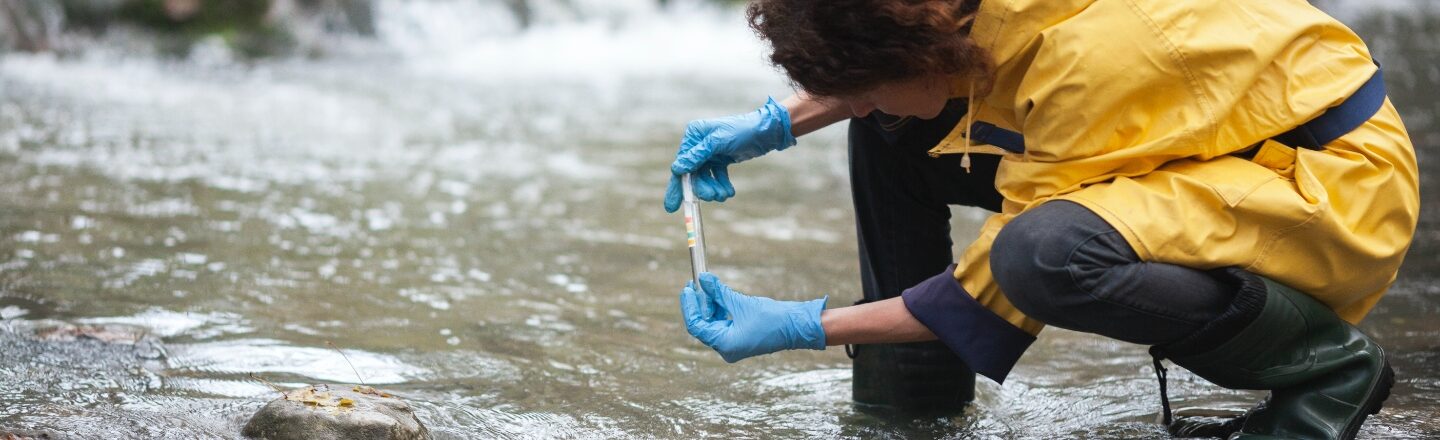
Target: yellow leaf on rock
(366, 389)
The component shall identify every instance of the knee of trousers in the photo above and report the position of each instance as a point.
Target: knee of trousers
(1031, 258)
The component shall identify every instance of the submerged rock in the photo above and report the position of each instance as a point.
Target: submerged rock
(321, 412)
(60, 331)
(146, 345)
(20, 434)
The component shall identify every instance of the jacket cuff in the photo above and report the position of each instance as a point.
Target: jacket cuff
(985, 341)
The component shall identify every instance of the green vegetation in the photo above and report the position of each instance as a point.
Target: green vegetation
(243, 24)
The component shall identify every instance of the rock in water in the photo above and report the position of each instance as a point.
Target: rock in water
(8, 434)
(321, 412)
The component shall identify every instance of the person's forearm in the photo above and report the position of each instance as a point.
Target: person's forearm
(879, 322)
(808, 114)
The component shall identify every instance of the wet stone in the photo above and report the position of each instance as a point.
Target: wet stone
(321, 412)
(20, 434)
(145, 345)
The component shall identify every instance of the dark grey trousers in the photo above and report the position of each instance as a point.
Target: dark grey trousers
(1067, 267)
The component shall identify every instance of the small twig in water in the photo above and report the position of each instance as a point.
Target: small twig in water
(282, 391)
(347, 360)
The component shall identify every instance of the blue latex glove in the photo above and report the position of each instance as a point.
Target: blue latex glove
(711, 145)
(755, 325)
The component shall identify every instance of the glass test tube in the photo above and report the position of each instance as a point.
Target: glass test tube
(694, 232)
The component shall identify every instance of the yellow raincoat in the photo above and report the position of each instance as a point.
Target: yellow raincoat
(1131, 108)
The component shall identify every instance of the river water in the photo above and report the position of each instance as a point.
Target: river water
(472, 212)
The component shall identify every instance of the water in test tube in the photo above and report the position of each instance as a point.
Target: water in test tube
(694, 232)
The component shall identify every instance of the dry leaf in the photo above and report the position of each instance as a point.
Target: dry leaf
(310, 396)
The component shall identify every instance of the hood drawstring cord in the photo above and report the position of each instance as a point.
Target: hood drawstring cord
(1161, 373)
(969, 125)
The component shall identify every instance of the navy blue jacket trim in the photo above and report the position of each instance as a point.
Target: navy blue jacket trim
(987, 133)
(1339, 120)
(1315, 134)
(987, 343)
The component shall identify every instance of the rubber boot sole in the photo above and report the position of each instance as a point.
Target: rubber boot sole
(1379, 392)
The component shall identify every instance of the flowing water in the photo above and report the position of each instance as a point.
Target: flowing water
(473, 213)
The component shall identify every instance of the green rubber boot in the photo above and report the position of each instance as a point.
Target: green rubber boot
(1325, 376)
(918, 379)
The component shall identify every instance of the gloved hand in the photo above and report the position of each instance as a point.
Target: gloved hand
(711, 145)
(755, 325)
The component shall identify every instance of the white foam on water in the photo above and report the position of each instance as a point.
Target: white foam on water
(270, 356)
(586, 41)
(167, 323)
(538, 97)
(782, 229)
(11, 312)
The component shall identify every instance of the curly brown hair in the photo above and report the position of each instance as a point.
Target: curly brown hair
(846, 47)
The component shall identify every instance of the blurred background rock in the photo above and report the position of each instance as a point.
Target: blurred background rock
(251, 28)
